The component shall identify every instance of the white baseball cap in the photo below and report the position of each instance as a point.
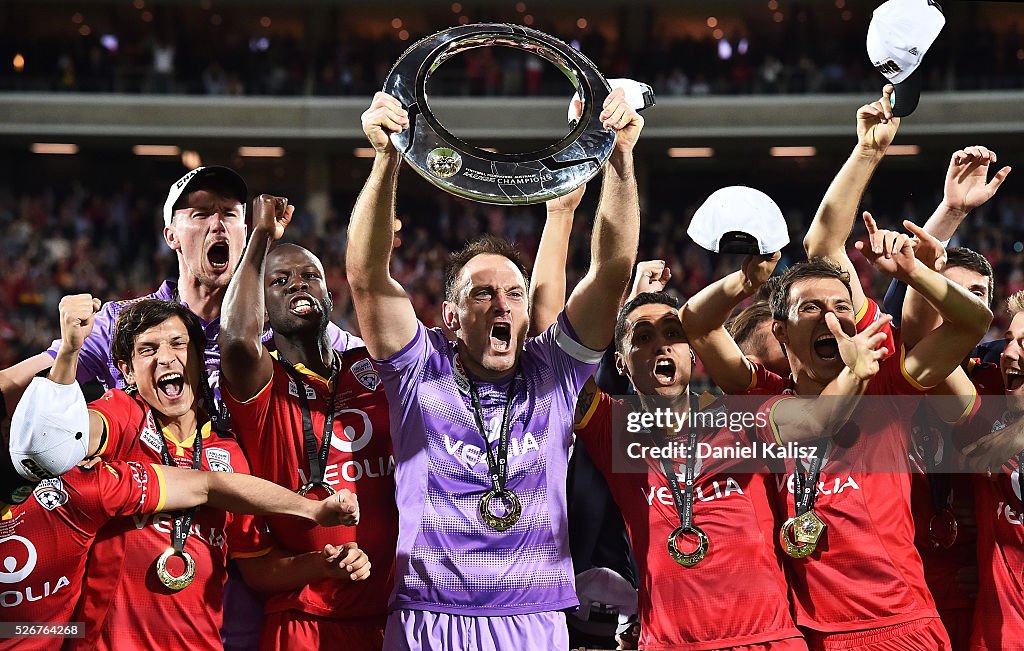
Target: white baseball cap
(738, 219)
(639, 95)
(205, 176)
(900, 33)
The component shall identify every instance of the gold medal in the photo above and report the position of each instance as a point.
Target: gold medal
(807, 529)
(691, 558)
(500, 523)
(314, 485)
(942, 529)
(175, 582)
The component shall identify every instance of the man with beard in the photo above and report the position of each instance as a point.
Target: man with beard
(311, 420)
(139, 594)
(481, 425)
(858, 483)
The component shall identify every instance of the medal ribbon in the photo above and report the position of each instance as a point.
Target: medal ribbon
(182, 526)
(938, 483)
(806, 485)
(683, 499)
(497, 462)
(317, 458)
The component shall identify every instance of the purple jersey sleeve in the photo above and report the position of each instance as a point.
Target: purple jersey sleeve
(94, 360)
(569, 359)
(343, 340)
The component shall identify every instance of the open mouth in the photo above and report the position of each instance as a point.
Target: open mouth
(826, 347)
(501, 337)
(665, 371)
(171, 385)
(303, 305)
(218, 255)
(1014, 379)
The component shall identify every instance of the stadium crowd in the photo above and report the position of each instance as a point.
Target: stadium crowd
(804, 53)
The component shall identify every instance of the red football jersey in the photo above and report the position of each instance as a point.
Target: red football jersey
(44, 542)
(124, 605)
(999, 608)
(741, 571)
(269, 427)
(865, 572)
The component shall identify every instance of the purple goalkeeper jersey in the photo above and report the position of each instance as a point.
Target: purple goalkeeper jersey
(95, 362)
(448, 560)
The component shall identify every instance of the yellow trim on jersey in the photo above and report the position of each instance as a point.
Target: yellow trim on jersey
(906, 376)
(862, 311)
(257, 554)
(7, 513)
(266, 387)
(302, 368)
(106, 433)
(590, 410)
(187, 443)
(162, 481)
(971, 363)
(970, 407)
(771, 418)
(753, 374)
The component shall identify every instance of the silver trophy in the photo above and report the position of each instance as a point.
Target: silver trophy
(468, 171)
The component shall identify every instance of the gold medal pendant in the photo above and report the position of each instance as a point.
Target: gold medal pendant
(319, 487)
(807, 529)
(692, 558)
(943, 529)
(175, 582)
(504, 522)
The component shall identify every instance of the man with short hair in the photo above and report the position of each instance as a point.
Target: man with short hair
(481, 425)
(311, 420)
(858, 484)
(140, 593)
(726, 501)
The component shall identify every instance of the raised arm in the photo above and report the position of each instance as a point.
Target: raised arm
(704, 318)
(547, 285)
(387, 320)
(833, 223)
(593, 304)
(49, 426)
(246, 366)
(808, 419)
(965, 317)
(966, 187)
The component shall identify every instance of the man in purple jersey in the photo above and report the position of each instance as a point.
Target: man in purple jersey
(481, 425)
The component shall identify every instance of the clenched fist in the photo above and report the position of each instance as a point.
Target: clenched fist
(77, 315)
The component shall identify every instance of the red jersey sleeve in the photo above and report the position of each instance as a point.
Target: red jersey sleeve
(123, 419)
(121, 488)
(766, 383)
(595, 426)
(892, 377)
(765, 428)
(870, 313)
